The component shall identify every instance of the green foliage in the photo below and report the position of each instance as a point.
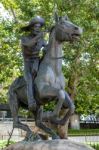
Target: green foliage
(81, 58)
(3, 143)
(49, 106)
(94, 145)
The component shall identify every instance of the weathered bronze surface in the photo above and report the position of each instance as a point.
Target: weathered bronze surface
(31, 46)
(49, 83)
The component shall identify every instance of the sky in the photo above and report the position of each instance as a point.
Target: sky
(4, 14)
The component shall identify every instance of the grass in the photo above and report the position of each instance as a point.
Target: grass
(3, 143)
(86, 132)
(83, 132)
(95, 145)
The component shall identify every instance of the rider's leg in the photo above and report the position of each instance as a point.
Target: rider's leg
(34, 70)
(29, 81)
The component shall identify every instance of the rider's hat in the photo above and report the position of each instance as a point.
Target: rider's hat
(35, 20)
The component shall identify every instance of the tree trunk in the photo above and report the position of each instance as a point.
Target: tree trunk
(63, 131)
(72, 86)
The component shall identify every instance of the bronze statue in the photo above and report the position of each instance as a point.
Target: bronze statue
(49, 82)
(31, 46)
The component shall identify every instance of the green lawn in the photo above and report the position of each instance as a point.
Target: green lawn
(95, 145)
(4, 142)
(83, 132)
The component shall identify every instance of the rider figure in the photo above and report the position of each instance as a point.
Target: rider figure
(31, 46)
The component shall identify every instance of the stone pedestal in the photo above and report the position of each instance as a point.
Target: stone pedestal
(48, 145)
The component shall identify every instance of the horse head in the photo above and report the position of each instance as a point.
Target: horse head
(65, 30)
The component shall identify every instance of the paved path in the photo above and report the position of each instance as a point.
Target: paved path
(84, 138)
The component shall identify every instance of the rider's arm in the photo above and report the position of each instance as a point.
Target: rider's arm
(28, 41)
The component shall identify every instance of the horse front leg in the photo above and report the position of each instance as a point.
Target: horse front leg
(70, 105)
(49, 91)
(71, 108)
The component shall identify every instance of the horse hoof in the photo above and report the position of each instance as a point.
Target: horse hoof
(32, 138)
(55, 137)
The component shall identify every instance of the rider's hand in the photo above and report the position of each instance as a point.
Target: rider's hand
(40, 35)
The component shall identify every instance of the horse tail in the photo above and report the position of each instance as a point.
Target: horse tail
(12, 97)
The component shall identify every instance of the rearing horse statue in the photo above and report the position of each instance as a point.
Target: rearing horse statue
(49, 83)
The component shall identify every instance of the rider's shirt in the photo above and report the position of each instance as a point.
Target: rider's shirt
(31, 48)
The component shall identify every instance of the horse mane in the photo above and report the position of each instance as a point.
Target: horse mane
(50, 32)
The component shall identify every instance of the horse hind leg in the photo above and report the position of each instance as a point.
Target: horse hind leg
(42, 126)
(14, 107)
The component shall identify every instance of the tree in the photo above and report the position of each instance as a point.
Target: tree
(80, 65)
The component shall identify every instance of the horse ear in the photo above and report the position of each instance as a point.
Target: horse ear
(56, 17)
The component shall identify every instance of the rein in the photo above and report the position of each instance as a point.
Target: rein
(62, 57)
